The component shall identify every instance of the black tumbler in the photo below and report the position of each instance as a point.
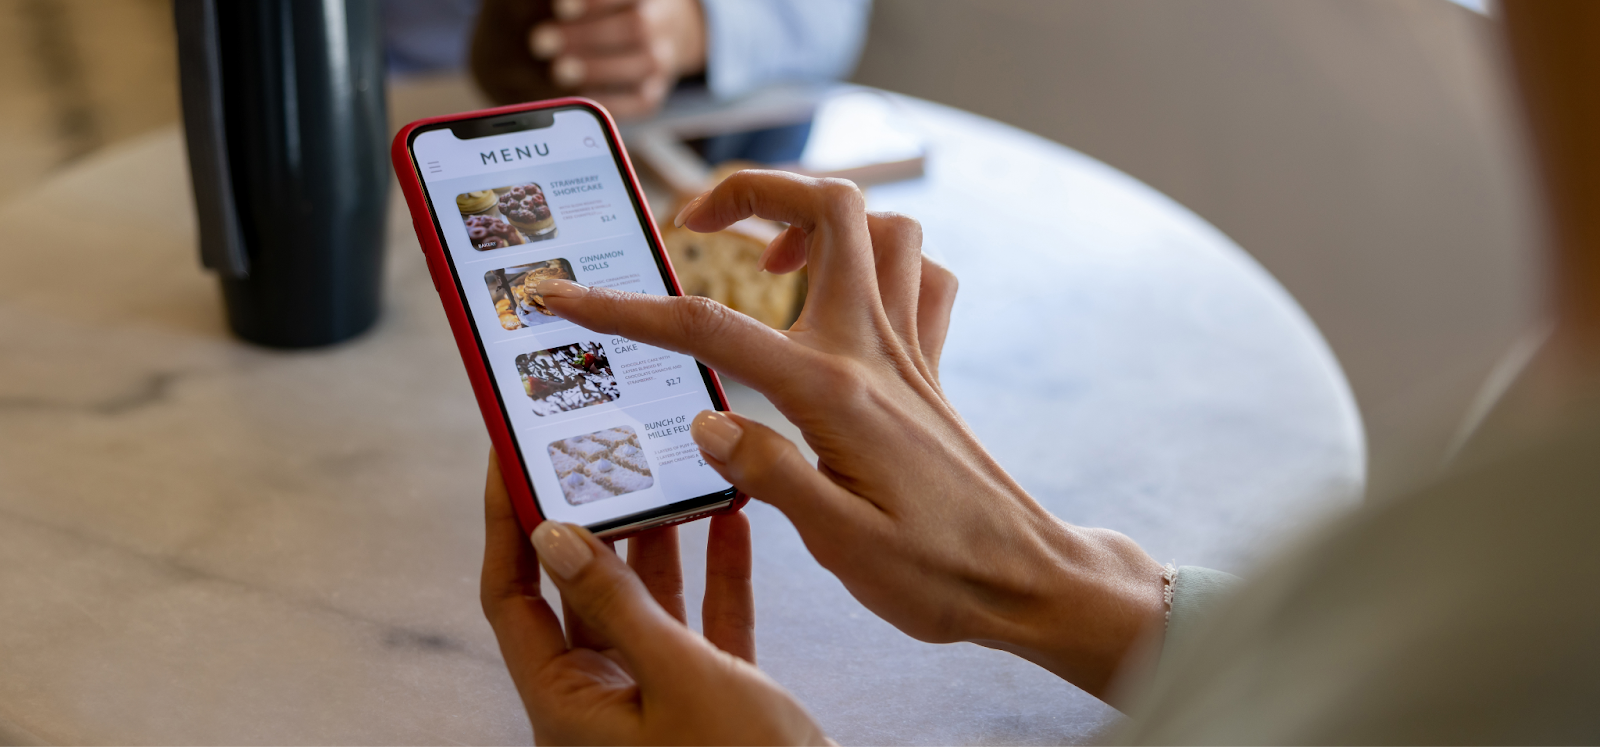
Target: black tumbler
(284, 115)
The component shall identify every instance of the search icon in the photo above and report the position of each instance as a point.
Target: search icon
(589, 141)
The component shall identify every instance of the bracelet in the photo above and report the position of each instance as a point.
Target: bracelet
(1169, 578)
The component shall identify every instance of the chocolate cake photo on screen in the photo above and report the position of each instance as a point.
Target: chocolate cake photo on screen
(567, 377)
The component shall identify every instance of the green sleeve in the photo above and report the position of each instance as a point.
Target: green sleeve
(1196, 594)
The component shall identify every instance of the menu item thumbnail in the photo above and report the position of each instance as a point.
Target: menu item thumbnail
(515, 292)
(524, 205)
(486, 227)
(567, 377)
(603, 464)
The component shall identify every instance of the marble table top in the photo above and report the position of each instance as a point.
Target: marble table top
(203, 541)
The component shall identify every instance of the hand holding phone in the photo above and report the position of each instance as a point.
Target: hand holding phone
(628, 670)
(592, 429)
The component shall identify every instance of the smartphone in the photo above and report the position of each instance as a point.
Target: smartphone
(590, 429)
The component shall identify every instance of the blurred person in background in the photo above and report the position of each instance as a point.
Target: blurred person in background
(1462, 613)
(421, 37)
(629, 55)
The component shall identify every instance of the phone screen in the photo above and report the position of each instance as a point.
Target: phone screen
(601, 422)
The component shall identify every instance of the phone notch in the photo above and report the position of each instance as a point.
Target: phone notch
(514, 122)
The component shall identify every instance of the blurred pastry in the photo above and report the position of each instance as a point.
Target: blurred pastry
(722, 266)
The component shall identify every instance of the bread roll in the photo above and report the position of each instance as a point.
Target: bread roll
(722, 266)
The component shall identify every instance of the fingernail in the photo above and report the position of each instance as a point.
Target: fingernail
(561, 288)
(564, 553)
(687, 209)
(716, 434)
(567, 10)
(546, 41)
(766, 256)
(567, 71)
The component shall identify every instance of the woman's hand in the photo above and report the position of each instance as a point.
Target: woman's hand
(905, 506)
(625, 54)
(629, 671)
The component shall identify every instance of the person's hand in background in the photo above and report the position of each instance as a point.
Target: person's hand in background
(905, 505)
(625, 54)
(628, 670)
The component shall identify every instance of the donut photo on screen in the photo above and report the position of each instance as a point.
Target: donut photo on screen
(598, 465)
(515, 292)
(506, 216)
(568, 377)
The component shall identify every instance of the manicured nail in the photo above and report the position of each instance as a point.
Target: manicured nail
(687, 209)
(567, 71)
(567, 10)
(716, 434)
(564, 552)
(557, 288)
(546, 41)
(766, 256)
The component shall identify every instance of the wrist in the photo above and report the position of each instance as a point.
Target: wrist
(1093, 595)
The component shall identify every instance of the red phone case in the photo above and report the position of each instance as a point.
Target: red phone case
(517, 482)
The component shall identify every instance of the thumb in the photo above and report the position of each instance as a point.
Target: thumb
(766, 466)
(612, 601)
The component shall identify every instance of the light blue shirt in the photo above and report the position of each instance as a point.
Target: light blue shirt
(751, 43)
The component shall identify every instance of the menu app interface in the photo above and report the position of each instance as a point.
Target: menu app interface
(602, 421)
